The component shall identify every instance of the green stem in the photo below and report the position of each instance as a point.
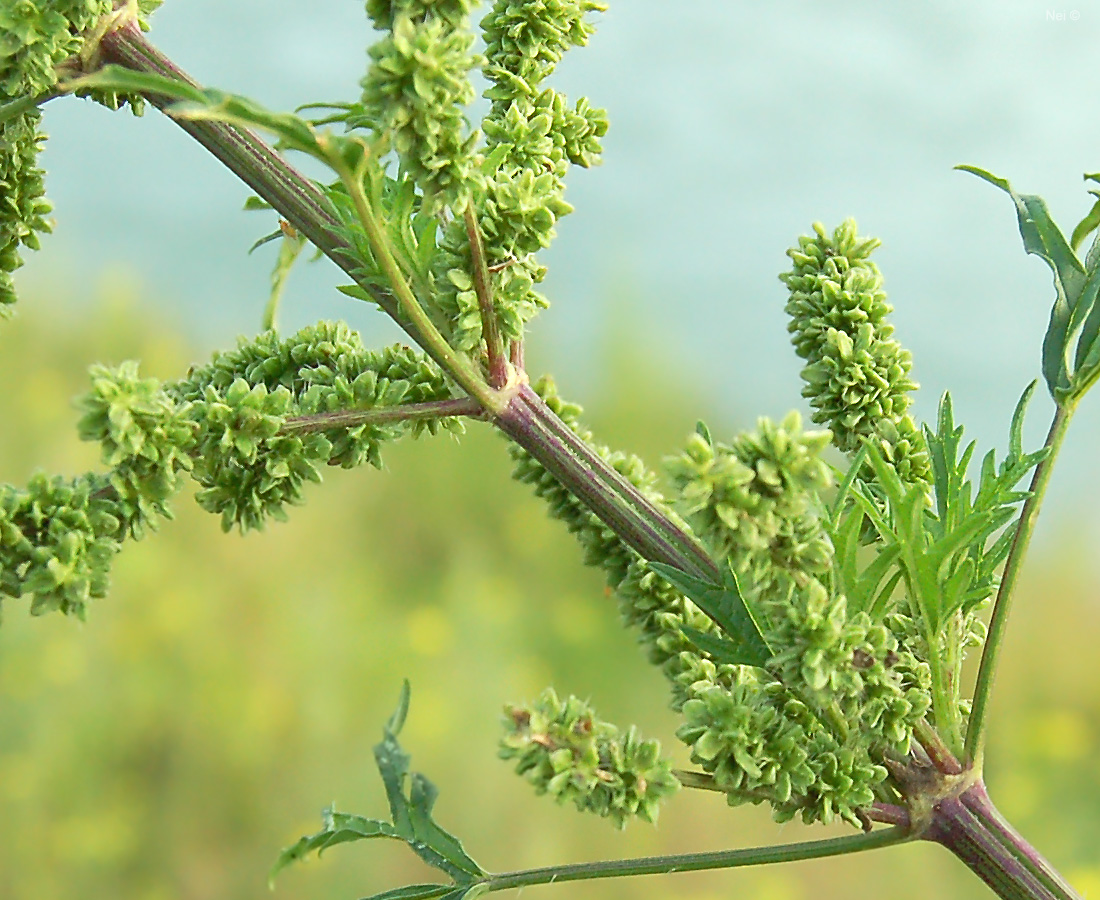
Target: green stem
(940, 754)
(694, 862)
(945, 706)
(20, 105)
(459, 367)
(987, 670)
(411, 412)
(296, 198)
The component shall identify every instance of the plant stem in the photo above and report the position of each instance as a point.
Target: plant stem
(490, 327)
(694, 862)
(21, 105)
(636, 520)
(642, 525)
(295, 197)
(938, 752)
(411, 412)
(886, 813)
(973, 830)
(987, 670)
(459, 367)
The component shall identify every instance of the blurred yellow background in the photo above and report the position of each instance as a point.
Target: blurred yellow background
(229, 687)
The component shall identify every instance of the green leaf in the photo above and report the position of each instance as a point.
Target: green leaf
(1091, 221)
(412, 814)
(721, 650)
(846, 484)
(338, 829)
(414, 892)
(210, 104)
(1074, 318)
(289, 251)
(412, 820)
(725, 605)
(127, 81)
(266, 239)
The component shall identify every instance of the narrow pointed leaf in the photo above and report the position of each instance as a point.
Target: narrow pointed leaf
(722, 650)
(414, 892)
(339, 829)
(1091, 221)
(725, 605)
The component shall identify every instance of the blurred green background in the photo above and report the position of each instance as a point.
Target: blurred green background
(230, 687)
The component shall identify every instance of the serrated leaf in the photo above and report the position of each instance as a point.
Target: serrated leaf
(412, 814)
(412, 818)
(719, 649)
(724, 604)
(339, 829)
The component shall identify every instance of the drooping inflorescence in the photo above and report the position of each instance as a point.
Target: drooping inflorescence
(532, 136)
(564, 750)
(415, 94)
(226, 426)
(856, 373)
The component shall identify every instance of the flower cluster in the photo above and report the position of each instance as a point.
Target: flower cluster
(227, 425)
(807, 733)
(532, 136)
(565, 751)
(384, 13)
(754, 501)
(526, 39)
(762, 744)
(856, 374)
(148, 440)
(57, 540)
(414, 96)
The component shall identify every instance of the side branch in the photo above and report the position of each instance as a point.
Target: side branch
(412, 412)
(498, 370)
(695, 862)
(526, 419)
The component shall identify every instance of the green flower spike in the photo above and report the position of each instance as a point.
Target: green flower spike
(857, 375)
(565, 751)
(414, 97)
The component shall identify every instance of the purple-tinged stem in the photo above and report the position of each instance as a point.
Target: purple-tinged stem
(490, 326)
(970, 826)
(528, 420)
(618, 503)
